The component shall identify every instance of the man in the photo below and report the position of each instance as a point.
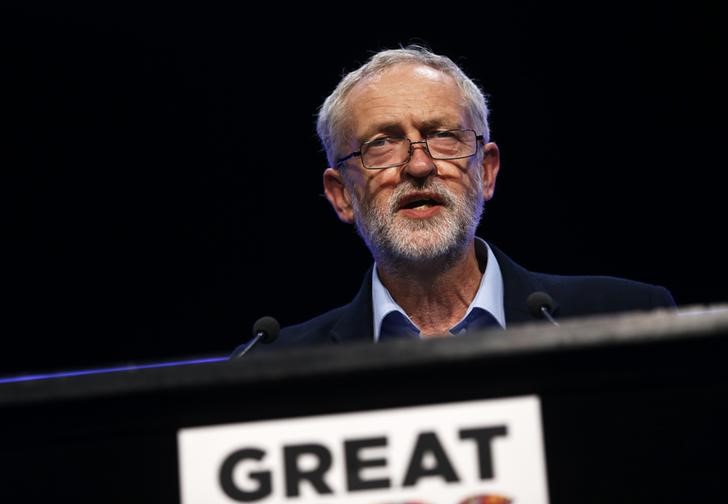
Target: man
(411, 165)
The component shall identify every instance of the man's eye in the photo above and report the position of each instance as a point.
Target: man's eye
(378, 142)
(444, 134)
(384, 142)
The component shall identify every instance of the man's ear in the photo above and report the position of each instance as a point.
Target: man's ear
(338, 195)
(490, 167)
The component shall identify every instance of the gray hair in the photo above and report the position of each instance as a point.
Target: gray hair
(332, 118)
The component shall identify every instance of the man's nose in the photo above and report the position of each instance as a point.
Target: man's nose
(420, 164)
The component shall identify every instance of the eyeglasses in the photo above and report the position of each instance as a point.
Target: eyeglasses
(390, 151)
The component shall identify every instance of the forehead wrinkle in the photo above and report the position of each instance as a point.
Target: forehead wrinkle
(395, 126)
(390, 108)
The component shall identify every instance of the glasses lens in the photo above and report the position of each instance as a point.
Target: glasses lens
(384, 152)
(452, 144)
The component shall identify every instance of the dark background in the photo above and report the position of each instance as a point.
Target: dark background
(161, 177)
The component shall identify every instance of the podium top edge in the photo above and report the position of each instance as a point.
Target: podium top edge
(632, 328)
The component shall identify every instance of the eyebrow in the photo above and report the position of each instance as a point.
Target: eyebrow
(389, 128)
(395, 128)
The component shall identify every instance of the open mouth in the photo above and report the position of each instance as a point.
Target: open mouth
(414, 201)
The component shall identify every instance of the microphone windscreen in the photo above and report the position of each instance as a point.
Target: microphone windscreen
(269, 327)
(537, 300)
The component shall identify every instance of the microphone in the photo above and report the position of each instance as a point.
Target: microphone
(265, 329)
(541, 305)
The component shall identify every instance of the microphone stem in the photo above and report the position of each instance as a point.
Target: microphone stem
(250, 345)
(548, 316)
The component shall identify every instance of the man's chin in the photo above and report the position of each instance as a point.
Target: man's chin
(400, 240)
(421, 247)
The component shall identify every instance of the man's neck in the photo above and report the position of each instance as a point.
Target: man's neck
(434, 295)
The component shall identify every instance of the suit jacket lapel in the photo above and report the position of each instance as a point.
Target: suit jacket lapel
(355, 322)
(518, 284)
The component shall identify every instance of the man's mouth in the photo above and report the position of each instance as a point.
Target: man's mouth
(419, 200)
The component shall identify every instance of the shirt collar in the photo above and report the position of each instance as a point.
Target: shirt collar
(489, 296)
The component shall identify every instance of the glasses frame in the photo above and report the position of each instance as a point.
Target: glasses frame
(479, 139)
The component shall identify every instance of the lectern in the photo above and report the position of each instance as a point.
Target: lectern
(629, 408)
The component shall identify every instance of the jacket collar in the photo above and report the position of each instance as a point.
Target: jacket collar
(355, 322)
(518, 284)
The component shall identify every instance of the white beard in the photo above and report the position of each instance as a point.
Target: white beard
(395, 240)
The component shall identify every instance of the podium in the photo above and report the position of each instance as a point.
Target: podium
(634, 407)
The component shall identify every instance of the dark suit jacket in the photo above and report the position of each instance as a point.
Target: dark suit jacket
(574, 295)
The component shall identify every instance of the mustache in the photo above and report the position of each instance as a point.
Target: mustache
(435, 187)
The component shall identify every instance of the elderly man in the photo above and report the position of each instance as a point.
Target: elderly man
(411, 165)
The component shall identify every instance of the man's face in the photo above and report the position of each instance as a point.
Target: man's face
(424, 210)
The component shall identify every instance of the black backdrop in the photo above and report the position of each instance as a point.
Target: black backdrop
(161, 178)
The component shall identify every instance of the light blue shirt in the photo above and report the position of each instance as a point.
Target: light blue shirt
(489, 296)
